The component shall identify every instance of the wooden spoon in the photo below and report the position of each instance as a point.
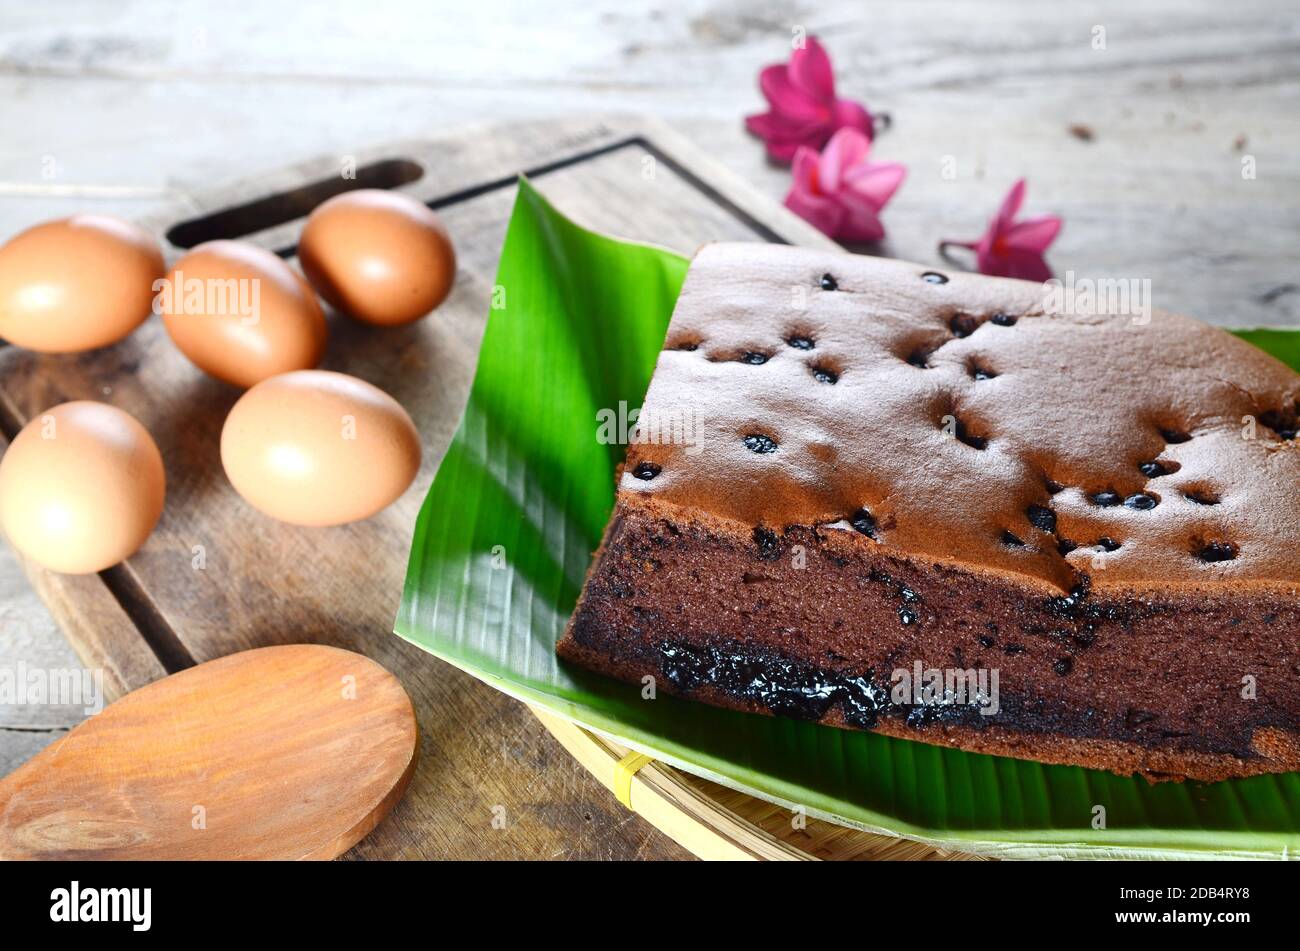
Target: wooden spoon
(292, 752)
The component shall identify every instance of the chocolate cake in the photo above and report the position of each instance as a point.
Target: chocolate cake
(854, 476)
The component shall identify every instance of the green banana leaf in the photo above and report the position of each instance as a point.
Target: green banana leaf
(506, 534)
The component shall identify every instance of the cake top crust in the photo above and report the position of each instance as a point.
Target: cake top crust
(970, 420)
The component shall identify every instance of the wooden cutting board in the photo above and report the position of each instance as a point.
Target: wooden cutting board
(217, 577)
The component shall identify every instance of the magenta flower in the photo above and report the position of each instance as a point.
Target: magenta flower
(1011, 248)
(805, 111)
(839, 192)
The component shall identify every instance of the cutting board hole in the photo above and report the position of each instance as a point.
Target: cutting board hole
(277, 209)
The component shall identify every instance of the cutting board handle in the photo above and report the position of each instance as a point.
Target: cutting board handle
(282, 207)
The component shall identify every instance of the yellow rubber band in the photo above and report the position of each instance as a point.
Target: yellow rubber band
(628, 767)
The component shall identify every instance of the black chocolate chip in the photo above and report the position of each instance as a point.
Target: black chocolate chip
(756, 442)
(800, 343)
(1003, 320)
(1040, 516)
(1107, 499)
(769, 549)
(1283, 422)
(1063, 666)
(646, 470)
(934, 277)
(1218, 551)
(963, 325)
(822, 375)
(1141, 501)
(829, 283)
(970, 439)
(865, 522)
(753, 359)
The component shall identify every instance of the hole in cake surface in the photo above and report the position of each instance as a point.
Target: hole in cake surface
(823, 375)
(864, 522)
(959, 431)
(963, 325)
(646, 470)
(757, 442)
(1175, 436)
(1141, 501)
(920, 357)
(1157, 468)
(1212, 552)
(1286, 423)
(1012, 540)
(1004, 320)
(1202, 496)
(828, 283)
(934, 277)
(1106, 498)
(800, 342)
(1041, 517)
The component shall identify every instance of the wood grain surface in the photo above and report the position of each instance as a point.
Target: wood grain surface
(280, 753)
(141, 108)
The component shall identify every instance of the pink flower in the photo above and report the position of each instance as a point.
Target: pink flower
(1011, 248)
(840, 192)
(804, 109)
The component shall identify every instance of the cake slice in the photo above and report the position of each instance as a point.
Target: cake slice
(941, 507)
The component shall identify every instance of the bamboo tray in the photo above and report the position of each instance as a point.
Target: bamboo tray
(718, 823)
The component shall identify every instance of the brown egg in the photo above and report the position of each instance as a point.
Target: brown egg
(81, 487)
(380, 256)
(76, 284)
(242, 314)
(319, 448)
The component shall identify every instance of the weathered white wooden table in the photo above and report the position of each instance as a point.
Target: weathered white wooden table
(1133, 121)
